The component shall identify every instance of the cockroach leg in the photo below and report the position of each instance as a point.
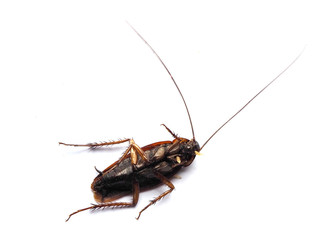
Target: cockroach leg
(134, 149)
(136, 191)
(165, 181)
(172, 133)
(96, 144)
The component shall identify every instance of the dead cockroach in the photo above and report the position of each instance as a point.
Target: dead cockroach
(145, 167)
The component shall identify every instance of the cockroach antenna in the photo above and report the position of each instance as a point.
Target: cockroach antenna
(185, 104)
(244, 106)
(232, 115)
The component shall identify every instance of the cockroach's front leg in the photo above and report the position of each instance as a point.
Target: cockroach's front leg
(136, 191)
(172, 133)
(165, 181)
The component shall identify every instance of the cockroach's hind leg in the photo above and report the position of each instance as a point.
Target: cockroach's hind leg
(175, 136)
(136, 192)
(165, 181)
(101, 206)
(92, 145)
(80, 210)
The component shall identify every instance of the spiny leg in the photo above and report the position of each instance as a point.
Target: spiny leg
(96, 144)
(172, 133)
(133, 148)
(136, 191)
(165, 181)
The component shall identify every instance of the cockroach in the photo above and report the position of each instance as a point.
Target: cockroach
(142, 168)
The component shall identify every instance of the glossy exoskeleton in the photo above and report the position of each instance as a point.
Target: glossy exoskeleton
(142, 168)
(162, 161)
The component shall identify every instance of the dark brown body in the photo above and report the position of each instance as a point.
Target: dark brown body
(165, 158)
(139, 169)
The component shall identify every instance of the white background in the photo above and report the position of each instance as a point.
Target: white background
(74, 71)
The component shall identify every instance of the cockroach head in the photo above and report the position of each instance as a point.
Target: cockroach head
(189, 151)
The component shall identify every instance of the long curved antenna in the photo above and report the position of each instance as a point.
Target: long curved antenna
(252, 99)
(185, 104)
